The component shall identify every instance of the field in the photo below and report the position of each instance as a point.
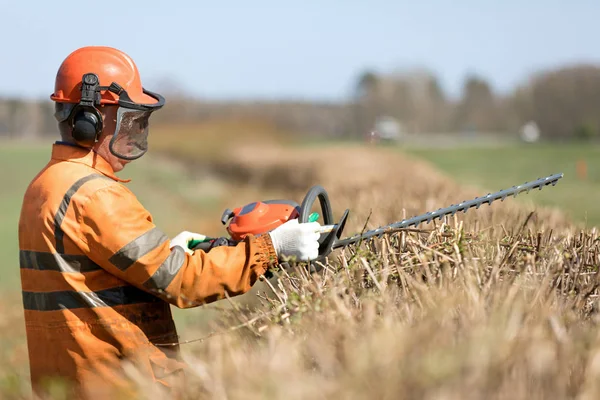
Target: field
(499, 167)
(497, 303)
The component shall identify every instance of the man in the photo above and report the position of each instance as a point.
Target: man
(97, 275)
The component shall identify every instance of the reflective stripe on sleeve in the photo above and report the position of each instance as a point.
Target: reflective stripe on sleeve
(137, 248)
(165, 274)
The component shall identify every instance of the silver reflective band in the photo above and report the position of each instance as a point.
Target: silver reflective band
(137, 248)
(165, 274)
(42, 261)
(64, 205)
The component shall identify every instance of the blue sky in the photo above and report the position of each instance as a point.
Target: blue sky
(305, 50)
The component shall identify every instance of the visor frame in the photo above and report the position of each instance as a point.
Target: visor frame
(124, 101)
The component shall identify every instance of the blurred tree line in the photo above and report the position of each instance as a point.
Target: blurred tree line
(563, 102)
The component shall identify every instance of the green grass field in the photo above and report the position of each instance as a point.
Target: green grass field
(498, 168)
(18, 165)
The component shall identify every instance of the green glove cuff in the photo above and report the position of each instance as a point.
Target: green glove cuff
(195, 242)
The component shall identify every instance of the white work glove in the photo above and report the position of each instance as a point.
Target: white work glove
(293, 239)
(184, 238)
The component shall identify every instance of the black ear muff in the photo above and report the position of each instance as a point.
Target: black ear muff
(86, 120)
(87, 125)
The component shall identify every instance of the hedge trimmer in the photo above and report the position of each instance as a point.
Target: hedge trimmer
(263, 216)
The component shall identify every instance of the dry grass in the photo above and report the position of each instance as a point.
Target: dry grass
(212, 139)
(498, 303)
(438, 314)
(14, 372)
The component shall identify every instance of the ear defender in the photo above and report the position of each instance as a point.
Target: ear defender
(86, 119)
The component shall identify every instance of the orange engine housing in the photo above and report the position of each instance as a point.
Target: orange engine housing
(259, 217)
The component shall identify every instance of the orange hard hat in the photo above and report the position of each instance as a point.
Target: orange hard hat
(110, 65)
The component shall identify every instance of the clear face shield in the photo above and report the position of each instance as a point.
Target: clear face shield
(130, 140)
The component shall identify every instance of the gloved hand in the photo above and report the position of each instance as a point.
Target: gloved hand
(293, 239)
(184, 238)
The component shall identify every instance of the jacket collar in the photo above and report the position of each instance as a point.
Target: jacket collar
(63, 151)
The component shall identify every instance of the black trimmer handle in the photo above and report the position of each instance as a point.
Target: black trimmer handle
(315, 192)
(327, 240)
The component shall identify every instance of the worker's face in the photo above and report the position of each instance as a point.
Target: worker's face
(102, 147)
(124, 137)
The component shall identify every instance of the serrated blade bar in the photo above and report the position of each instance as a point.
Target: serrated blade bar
(464, 206)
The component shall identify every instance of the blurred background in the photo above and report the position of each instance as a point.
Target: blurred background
(265, 99)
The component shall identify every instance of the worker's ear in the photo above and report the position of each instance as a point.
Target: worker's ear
(109, 118)
(109, 113)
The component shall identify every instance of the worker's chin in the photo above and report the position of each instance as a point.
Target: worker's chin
(119, 164)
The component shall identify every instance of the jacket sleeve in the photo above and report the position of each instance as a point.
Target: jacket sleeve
(121, 237)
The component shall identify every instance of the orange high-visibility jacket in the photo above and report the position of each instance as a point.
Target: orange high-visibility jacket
(93, 266)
